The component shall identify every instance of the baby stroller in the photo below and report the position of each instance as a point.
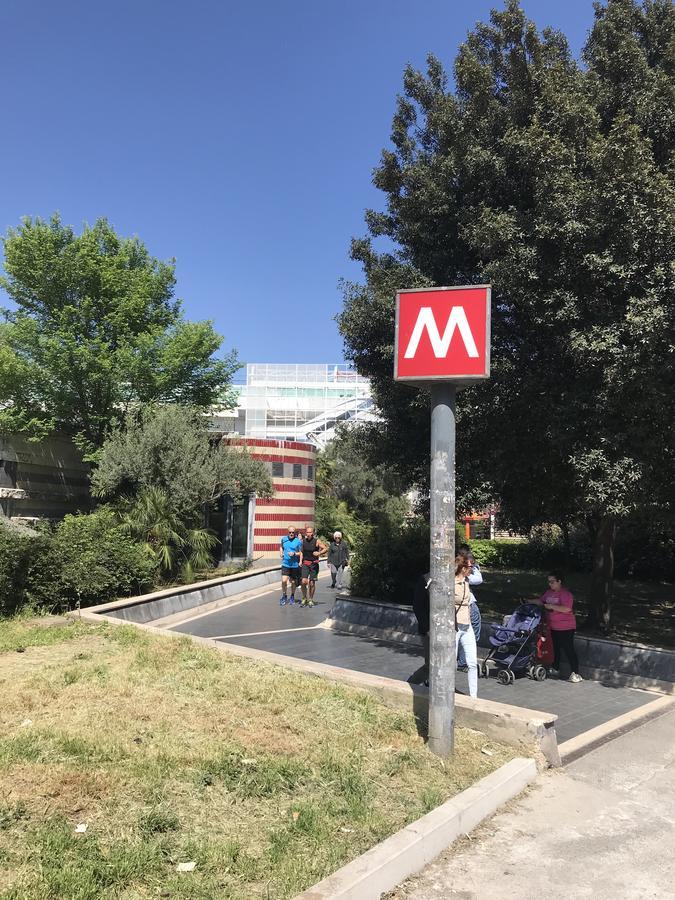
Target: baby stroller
(522, 644)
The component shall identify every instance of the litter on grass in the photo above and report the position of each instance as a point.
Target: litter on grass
(186, 867)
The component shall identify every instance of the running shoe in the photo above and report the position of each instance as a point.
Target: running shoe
(311, 603)
(282, 600)
(554, 672)
(575, 678)
(291, 601)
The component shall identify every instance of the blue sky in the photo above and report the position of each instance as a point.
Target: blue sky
(238, 138)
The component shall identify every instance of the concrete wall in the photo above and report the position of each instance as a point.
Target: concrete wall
(292, 465)
(45, 480)
(171, 601)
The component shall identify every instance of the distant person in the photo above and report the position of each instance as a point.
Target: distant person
(465, 636)
(290, 549)
(474, 578)
(465, 639)
(558, 603)
(312, 548)
(338, 559)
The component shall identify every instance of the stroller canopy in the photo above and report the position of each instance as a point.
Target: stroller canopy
(525, 620)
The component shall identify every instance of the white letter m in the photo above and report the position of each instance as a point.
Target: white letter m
(456, 319)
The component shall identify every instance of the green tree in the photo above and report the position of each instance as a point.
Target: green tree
(369, 505)
(344, 475)
(96, 330)
(554, 182)
(167, 447)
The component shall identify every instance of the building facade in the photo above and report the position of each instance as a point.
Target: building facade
(297, 402)
(255, 527)
(285, 413)
(41, 480)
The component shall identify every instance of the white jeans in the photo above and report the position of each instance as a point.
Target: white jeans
(465, 636)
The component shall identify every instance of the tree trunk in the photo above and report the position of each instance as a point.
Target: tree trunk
(600, 615)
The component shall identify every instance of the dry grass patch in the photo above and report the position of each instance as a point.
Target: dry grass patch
(266, 779)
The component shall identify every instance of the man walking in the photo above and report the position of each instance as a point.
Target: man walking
(312, 548)
(338, 559)
(290, 550)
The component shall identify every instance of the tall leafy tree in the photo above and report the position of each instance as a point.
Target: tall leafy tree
(554, 182)
(165, 448)
(94, 331)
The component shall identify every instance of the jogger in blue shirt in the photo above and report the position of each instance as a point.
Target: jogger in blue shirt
(290, 550)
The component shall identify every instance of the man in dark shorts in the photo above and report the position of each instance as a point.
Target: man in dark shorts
(312, 548)
(290, 550)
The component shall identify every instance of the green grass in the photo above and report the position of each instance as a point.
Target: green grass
(19, 632)
(642, 611)
(170, 753)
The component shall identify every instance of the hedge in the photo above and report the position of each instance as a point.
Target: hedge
(85, 559)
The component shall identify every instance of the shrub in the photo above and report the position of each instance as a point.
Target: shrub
(645, 550)
(547, 537)
(86, 559)
(390, 557)
(506, 554)
(17, 548)
(332, 516)
(174, 546)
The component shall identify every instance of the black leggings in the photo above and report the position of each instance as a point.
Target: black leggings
(564, 640)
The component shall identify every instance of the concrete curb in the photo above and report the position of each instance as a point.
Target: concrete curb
(403, 854)
(601, 734)
(529, 730)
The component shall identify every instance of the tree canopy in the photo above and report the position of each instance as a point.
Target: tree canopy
(166, 447)
(94, 331)
(552, 180)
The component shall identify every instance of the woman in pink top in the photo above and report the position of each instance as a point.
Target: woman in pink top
(558, 603)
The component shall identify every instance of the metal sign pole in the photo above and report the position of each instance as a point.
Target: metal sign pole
(442, 587)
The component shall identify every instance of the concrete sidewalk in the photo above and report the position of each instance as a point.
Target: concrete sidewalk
(601, 828)
(260, 623)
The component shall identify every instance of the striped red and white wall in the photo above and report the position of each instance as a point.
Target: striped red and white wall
(293, 468)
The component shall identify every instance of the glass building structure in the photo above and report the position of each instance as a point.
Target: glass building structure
(297, 402)
(284, 414)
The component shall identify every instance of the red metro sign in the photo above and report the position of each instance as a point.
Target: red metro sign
(443, 334)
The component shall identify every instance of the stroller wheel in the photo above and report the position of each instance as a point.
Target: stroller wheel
(504, 676)
(512, 676)
(539, 673)
(484, 670)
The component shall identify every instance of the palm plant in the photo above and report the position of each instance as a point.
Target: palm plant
(175, 546)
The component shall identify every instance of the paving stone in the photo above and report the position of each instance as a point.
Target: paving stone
(262, 624)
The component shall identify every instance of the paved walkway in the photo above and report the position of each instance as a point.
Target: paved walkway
(601, 828)
(261, 623)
